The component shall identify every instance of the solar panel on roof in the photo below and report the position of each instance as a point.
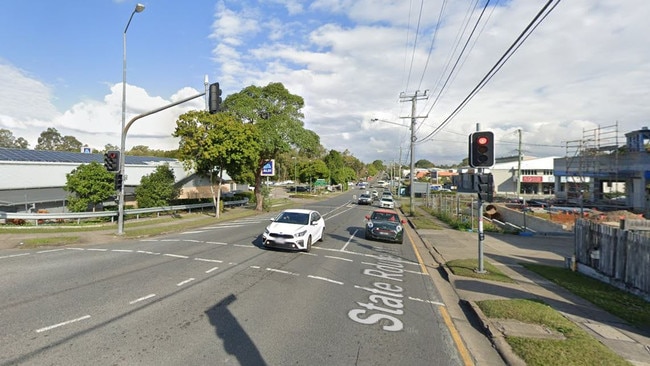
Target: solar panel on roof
(7, 154)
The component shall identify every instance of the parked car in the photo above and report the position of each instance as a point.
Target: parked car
(385, 224)
(364, 199)
(294, 229)
(387, 202)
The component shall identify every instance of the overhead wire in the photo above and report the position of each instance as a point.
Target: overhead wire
(415, 44)
(433, 40)
(539, 17)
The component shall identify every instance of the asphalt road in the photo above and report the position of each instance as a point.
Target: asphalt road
(215, 296)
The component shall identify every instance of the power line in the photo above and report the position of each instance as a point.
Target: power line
(497, 66)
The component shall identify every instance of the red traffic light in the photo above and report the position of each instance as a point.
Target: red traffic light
(482, 140)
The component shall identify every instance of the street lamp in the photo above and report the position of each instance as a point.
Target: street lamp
(120, 214)
(412, 164)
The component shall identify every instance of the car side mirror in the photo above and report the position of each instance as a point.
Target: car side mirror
(403, 221)
(367, 217)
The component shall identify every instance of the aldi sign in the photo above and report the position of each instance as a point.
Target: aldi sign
(268, 169)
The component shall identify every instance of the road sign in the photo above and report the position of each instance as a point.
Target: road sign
(268, 169)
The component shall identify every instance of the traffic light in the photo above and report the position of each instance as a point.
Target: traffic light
(484, 184)
(214, 98)
(118, 182)
(481, 149)
(112, 161)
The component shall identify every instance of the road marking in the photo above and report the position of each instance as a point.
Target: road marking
(212, 269)
(192, 240)
(311, 254)
(75, 248)
(185, 282)
(62, 324)
(325, 279)
(122, 250)
(208, 260)
(339, 258)
(224, 226)
(255, 267)
(281, 271)
(244, 245)
(50, 251)
(349, 240)
(216, 242)
(192, 232)
(97, 250)
(17, 255)
(142, 299)
(176, 256)
(426, 301)
(147, 252)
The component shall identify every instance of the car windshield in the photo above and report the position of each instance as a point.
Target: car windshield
(293, 218)
(384, 216)
(386, 198)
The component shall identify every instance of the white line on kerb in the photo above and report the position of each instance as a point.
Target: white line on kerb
(62, 324)
(176, 256)
(325, 279)
(212, 269)
(339, 258)
(142, 299)
(186, 281)
(281, 271)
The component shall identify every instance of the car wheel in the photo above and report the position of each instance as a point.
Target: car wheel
(308, 249)
(401, 240)
(365, 235)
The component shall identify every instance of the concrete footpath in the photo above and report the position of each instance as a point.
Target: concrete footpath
(506, 251)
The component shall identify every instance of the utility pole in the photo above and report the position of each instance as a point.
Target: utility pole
(519, 166)
(413, 98)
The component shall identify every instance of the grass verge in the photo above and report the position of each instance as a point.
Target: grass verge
(577, 349)
(52, 241)
(633, 309)
(468, 267)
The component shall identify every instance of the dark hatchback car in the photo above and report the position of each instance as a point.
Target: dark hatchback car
(385, 224)
(364, 199)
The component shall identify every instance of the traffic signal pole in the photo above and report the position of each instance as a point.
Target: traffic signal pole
(120, 208)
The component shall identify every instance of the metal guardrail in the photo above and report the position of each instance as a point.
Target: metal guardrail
(87, 215)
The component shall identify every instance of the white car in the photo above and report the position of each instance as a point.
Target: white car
(386, 202)
(294, 229)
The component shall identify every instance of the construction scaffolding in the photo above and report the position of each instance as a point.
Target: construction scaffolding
(592, 165)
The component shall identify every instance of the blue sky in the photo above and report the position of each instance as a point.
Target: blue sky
(586, 65)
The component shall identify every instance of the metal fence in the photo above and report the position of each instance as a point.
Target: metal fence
(40, 217)
(621, 255)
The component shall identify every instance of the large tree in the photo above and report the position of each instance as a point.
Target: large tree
(277, 116)
(157, 189)
(90, 185)
(7, 140)
(51, 139)
(212, 143)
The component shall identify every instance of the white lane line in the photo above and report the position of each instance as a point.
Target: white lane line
(149, 240)
(282, 271)
(325, 279)
(245, 245)
(193, 232)
(175, 256)
(62, 324)
(50, 250)
(312, 254)
(208, 260)
(427, 301)
(185, 282)
(192, 241)
(122, 250)
(212, 269)
(16, 255)
(339, 258)
(255, 267)
(216, 243)
(75, 248)
(171, 240)
(142, 299)
(224, 226)
(349, 240)
(97, 250)
(147, 252)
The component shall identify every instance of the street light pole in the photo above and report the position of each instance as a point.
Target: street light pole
(120, 215)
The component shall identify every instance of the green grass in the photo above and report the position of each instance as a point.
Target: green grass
(624, 305)
(51, 241)
(469, 267)
(578, 349)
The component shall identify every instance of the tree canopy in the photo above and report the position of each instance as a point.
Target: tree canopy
(89, 185)
(157, 189)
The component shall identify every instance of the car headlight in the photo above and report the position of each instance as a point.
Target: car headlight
(369, 225)
(302, 233)
(398, 228)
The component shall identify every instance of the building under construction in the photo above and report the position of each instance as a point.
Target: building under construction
(600, 171)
